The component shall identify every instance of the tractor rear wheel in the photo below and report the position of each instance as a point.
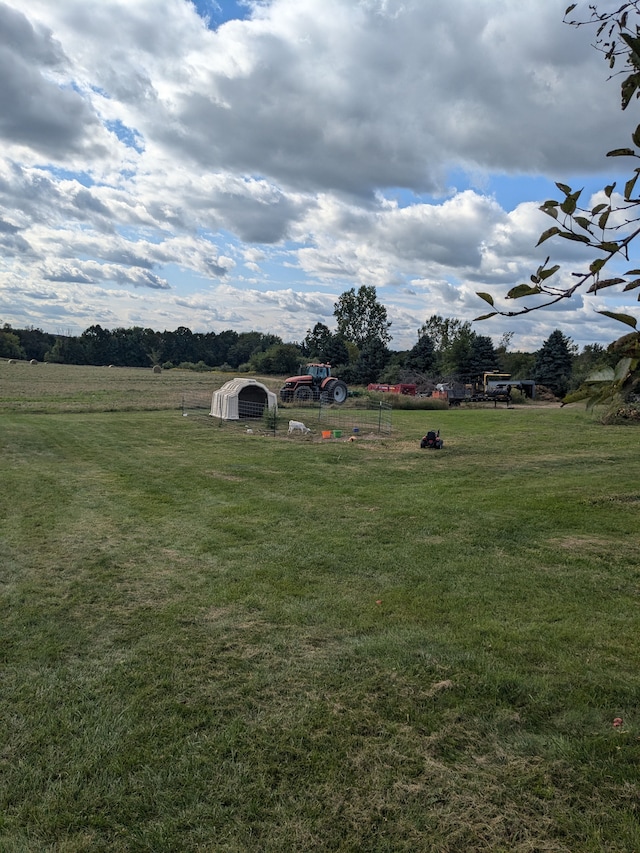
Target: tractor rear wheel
(338, 392)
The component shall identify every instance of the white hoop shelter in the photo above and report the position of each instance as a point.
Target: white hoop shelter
(242, 398)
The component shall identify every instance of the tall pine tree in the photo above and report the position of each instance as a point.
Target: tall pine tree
(553, 364)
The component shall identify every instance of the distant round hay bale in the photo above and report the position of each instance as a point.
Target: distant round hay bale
(33, 361)
(110, 365)
(12, 361)
(157, 368)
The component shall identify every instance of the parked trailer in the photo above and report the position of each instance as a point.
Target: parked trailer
(492, 388)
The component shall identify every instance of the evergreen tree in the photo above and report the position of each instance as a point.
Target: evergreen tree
(422, 356)
(373, 359)
(553, 364)
(483, 357)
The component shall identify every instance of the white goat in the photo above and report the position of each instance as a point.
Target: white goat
(298, 426)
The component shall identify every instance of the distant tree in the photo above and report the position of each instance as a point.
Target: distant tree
(67, 350)
(98, 345)
(35, 342)
(518, 364)
(320, 344)
(316, 342)
(452, 343)
(502, 351)
(10, 344)
(422, 356)
(215, 347)
(443, 331)
(361, 318)
(177, 346)
(131, 346)
(279, 359)
(248, 344)
(374, 357)
(395, 370)
(554, 363)
(457, 358)
(483, 356)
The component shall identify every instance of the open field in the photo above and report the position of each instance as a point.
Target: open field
(63, 388)
(215, 641)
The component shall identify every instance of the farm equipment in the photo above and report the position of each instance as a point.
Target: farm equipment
(316, 383)
(407, 388)
(432, 441)
(492, 388)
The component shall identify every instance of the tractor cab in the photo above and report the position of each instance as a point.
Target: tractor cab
(319, 372)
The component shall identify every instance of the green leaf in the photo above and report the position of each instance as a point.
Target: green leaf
(564, 188)
(570, 203)
(622, 369)
(583, 222)
(577, 238)
(604, 374)
(607, 282)
(621, 318)
(602, 221)
(599, 207)
(485, 316)
(629, 86)
(636, 136)
(608, 190)
(523, 290)
(632, 285)
(570, 8)
(609, 246)
(548, 273)
(486, 296)
(630, 185)
(632, 272)
(621, 152)
(550, 232)
(597, 265)
(633, 43)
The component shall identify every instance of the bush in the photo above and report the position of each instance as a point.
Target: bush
(407, 402)
(200, 366)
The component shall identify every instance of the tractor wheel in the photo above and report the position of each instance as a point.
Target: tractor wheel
(304, 394)
(338, 392)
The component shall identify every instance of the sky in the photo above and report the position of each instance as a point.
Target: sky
(240, 165)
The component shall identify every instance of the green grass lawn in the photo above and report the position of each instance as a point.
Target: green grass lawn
(215, 641)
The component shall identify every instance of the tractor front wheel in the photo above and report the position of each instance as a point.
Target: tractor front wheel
(338, 392)
(304, 394)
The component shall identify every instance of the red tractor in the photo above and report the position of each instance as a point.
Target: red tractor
(317, 383)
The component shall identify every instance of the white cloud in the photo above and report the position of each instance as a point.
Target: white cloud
(263, 167)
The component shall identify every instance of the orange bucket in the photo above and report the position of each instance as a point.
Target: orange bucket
(326, 433)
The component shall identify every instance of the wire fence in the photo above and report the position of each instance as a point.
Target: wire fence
(356, 417)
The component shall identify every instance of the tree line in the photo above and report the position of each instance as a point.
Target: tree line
(358, 350)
